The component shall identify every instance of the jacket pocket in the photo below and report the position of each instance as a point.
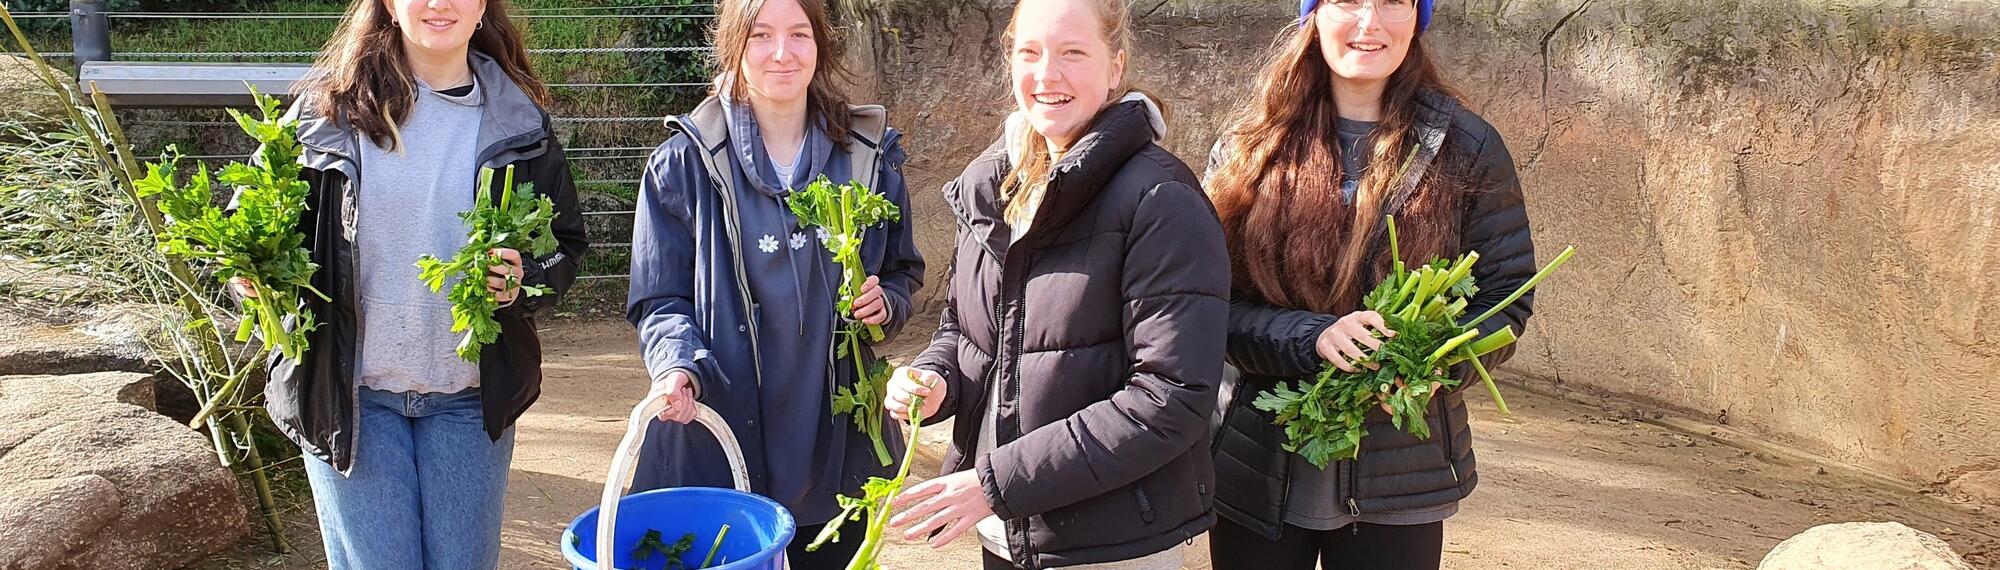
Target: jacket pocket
(1145, 505)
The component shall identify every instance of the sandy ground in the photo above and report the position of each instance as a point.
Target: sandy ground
(1563, 485)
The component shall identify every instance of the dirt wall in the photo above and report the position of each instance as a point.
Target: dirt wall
(1785, 209)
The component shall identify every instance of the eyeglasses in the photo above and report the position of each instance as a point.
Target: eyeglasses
(1398, 11)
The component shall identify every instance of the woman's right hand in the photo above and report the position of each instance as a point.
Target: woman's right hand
(1349, 339)
(678, 386)
(908, 384)
(242, 288)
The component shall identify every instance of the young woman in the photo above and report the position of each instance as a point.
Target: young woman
(1351, 122)
(407, 446)
(1084, 333)
(734, 298)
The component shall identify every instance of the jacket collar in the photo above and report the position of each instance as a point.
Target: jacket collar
(1119, 132)
(746, 139)
(1434, 112)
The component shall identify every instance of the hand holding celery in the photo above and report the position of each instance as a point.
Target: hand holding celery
(1324, 419)
(845, 212)
(259, 241)
(522, 221)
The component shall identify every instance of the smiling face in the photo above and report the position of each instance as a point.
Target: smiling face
(781, 54)
(437, 26)
(1064, 69)
(1359, 43)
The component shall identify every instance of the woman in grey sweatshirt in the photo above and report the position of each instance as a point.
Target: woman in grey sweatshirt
(406, 445)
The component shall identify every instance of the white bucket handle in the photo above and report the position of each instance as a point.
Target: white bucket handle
(627, 458)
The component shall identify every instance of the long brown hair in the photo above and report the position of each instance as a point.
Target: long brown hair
(363, 77)
(1293, 240)
(1029, 177)
(825, 101)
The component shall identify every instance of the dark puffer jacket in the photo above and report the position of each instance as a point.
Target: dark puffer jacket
(1267, 344)
(1104, 328)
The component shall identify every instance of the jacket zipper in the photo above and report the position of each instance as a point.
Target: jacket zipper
(1353, 491)
(1444, 424)
(1145, 505)
(1019, 346)
(351, 199)
(743, 283)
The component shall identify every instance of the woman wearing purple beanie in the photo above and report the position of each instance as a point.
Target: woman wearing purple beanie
(1350, 122)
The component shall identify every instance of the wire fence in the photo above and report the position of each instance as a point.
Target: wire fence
(606, 165)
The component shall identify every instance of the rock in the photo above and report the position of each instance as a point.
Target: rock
(122, 387)
(49, 519)
(101, 483)
(1863, 546)
(1980, 486)
(99, 340)
(24, 93)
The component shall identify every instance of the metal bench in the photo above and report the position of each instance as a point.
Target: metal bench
(147, 84)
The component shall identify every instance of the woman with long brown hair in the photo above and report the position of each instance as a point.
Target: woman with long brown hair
(406, 445)
(1082, 340)
(1351, 122)
(734, 296)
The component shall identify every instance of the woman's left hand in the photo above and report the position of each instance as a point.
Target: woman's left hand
(955, 503)
(504, 281)
(870, 307)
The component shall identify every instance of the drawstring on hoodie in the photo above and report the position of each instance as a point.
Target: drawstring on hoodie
(745, 128)
(792, 255)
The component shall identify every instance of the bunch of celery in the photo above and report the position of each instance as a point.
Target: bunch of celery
(522, 221)
(1324, 420)
(874, 503)
(844, 212)
(259, 239)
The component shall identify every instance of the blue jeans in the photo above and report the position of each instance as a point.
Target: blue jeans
(426, 489)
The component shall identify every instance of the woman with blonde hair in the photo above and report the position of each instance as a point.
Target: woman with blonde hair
(1082, 340)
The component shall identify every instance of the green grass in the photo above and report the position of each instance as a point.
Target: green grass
(627, 192)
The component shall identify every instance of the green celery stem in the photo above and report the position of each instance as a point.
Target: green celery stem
(864, 559)
(1491, 389)
(1526, 287)
(706, 562)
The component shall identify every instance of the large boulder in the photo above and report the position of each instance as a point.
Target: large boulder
(92, 479)
(42, 348)
(36, 339)
(1863, 546)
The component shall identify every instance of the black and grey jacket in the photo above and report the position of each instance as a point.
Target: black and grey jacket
(312, 400)
(1268, 344)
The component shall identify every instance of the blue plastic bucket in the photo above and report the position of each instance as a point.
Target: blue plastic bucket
(759, 529)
